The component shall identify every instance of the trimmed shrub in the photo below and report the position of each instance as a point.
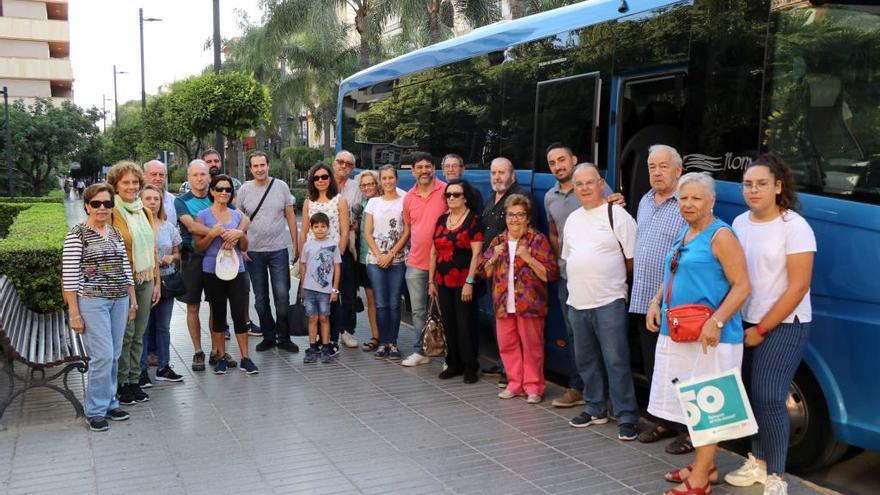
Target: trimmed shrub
(30, 255)
(8, 212)
(31, 199)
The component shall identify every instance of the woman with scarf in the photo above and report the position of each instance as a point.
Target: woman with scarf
(135, 223)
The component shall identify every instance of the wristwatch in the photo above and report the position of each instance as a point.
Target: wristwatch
(718, 323)
(334, 291)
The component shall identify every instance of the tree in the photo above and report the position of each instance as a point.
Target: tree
(166, 123)
(124, 140)
(432, 18)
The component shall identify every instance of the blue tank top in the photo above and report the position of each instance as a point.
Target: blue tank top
(699, 279)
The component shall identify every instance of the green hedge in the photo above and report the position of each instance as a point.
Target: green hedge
(8, 212)
(299, 193)
(173, 187)
(30, 255)
(31, 199)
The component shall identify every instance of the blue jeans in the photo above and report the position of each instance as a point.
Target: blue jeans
(159, 327)
(387, 285)
(105, 321)
(262, 266)
(574, 380)
(600, 339)
(316, 303)
(417, 285)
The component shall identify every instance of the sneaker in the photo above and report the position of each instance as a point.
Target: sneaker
(570, 398)
(394, 353)
(334, 349)
(288, 346)
(534, 399)
(584, 420)
(748, 474)
(248, 366)
(381, 352)
(471, 377)
(254, 330)
(232, 363)
(627, 432)
(311, 355)
(265, 345)
(198, 361)
(348, 340)
(139, 395)
(415, 359)
(116, 415)
(144, 380)
(167, 374)
(775, 486)
(507, 394)
(212, 359)
(98, 423)
(448, 373)
(326, 354)
(125, 395)
(220, 367)
(502, 380)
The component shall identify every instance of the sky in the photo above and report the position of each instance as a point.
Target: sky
(105, 32)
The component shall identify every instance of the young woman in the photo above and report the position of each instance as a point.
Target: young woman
(227, 228)
(780, 247)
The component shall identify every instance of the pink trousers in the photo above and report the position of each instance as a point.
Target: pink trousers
(521, 345)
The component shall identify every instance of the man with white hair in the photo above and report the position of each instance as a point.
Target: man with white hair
(504, 184)
(659, 222)
(156, 174)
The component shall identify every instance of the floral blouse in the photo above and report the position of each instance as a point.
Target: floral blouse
(530, 291)
(454, 249)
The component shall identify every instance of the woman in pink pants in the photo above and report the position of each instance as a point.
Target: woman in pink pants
(519, 263)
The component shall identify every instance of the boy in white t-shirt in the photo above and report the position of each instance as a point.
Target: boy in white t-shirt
(320, 268)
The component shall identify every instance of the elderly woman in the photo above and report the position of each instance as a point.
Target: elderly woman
(135, 223)
(707, 266)
(519, 262)
(387, 233)
(780, 247)
(455, 257)
(368, 182)
(100, 296)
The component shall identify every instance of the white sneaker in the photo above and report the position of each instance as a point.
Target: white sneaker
(748, 474)
(507, 394)
(348, 340)
(775, 486)
(415, 359)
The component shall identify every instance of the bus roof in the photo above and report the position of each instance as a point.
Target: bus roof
(497, 36)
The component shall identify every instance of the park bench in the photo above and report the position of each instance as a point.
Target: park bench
(42, 342)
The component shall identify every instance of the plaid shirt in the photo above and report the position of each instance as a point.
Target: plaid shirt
(658, 226)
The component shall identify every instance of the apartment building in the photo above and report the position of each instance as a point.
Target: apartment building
(35, 50)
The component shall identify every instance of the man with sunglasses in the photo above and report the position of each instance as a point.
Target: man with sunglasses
(342, 317)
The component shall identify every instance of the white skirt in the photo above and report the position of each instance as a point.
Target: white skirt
(685, 361)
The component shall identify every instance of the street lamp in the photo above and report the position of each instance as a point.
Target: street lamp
(104, 101)
(115, 99)
(143, 86)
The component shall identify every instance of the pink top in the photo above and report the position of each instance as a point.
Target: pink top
(421, 214)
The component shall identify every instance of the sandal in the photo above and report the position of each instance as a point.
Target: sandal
(681, 445)
(691, 490)
(675, 475)
(370, 346)
(654, 434)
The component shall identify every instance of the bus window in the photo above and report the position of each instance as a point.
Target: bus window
(567, 111)
(824, 100)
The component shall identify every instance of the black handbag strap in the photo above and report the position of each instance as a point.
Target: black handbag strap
(266, 193)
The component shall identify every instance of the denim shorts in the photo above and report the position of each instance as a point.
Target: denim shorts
(316, 303)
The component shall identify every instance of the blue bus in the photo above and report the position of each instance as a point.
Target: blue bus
(718, 79)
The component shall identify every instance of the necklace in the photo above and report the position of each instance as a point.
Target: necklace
(450, 224)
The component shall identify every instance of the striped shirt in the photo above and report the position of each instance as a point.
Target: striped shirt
(94, 265)
(658, 226)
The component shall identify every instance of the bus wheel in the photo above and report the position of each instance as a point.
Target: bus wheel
(812, 443)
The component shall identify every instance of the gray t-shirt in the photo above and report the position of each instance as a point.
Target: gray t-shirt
(320, 258)
(268, 230)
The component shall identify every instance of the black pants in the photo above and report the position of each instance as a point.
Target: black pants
(219, 292)
(462, 332)
(342, 315)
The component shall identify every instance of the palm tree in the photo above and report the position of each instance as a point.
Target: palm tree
(434, 17)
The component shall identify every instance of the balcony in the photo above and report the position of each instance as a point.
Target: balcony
(30, 68)
(34, 30)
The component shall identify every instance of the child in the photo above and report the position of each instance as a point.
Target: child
(320, 284)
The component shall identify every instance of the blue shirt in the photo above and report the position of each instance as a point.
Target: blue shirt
(208, 220)
(658, 226)
(699, 279)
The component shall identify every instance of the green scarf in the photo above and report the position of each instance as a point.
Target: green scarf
(143, 242)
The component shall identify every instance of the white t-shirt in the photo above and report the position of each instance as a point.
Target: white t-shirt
(511, 302)
(766, 245)
(387, 226)
(595, 268)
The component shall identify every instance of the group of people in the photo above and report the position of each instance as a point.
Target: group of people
(454, 253)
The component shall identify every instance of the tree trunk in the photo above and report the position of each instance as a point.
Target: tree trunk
(360, 24)
(460, 23)
(434, 20)
(517, 9)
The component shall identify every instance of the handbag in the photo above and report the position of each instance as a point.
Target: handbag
(685, 322)
(226, 266)
(297, 319)
(433, 334)
(172, 285)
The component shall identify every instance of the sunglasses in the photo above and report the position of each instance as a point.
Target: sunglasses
(320, 177)
(97, 204)
(223, 189)
(453, 195)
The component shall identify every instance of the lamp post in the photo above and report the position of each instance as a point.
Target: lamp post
(143, 85)
(10, 186)
(115, 98)
(218, 136)
(104, 101)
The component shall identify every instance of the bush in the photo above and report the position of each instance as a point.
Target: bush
(56, 194)
(173, 187)
(30, 199)
(30, 255)
(177, 174)
(8, 212)
(299, 193)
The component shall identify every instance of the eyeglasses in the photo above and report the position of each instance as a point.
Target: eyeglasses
(368, 184)
(586, 183)
(97, 204)
(320, 177)
(455, 195)
(761, 184)
(223, 189)
(347, 164)
(517, 215)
